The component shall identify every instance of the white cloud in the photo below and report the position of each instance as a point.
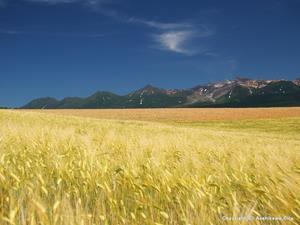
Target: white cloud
(159, 25)
(175, 37)
(180, 40)
(175, 41)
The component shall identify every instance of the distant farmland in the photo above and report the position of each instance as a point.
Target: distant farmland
(183, 115)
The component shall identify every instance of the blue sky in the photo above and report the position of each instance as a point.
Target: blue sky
(65, 48)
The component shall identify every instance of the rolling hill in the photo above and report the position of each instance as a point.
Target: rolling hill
(240, 92)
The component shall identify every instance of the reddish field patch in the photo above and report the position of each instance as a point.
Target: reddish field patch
(180, 114)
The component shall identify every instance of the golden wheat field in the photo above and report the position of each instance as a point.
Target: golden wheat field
(68, 170)
(181, 114)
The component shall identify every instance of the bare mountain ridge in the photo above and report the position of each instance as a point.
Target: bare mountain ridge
(240, 92)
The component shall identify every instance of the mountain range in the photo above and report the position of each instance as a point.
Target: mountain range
(240, 92)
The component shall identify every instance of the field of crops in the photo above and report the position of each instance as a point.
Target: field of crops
(181, 114)
(57, 169)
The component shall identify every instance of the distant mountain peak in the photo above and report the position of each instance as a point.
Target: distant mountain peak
(241, 78)
(102, 93)
(148, 89)
(240, 92)
(151, 88)
(43, 103)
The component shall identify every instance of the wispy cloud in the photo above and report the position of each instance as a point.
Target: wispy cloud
(84, 35)
(159, 25)
(174, 37)
(180, 41)
(64, 1)
(178, 37)
(54, 34)
(53, 1)
(9, 32)
(92, 3)
(2, 3)
(174, 41)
